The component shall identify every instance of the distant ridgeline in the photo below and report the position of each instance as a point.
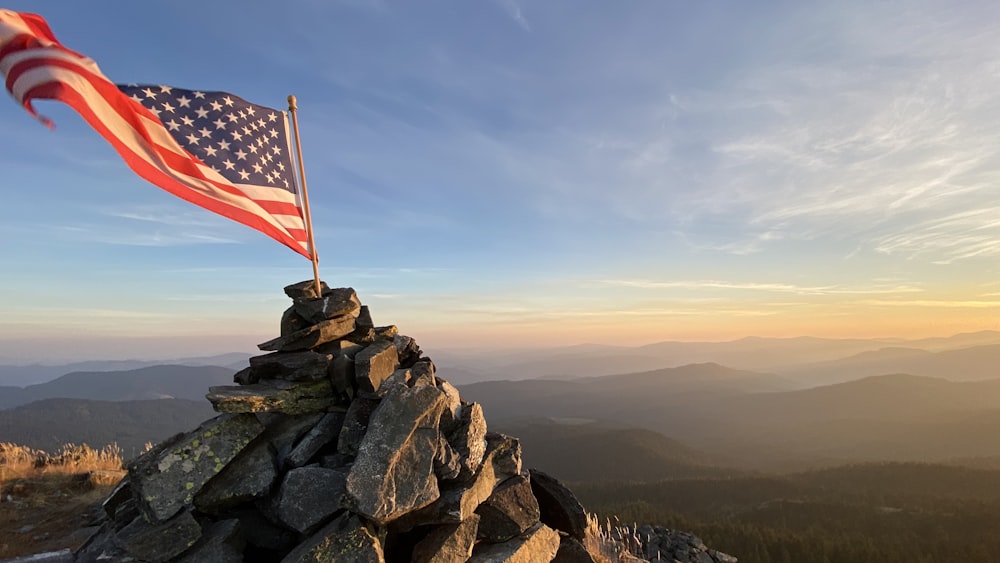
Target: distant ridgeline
(344, 445)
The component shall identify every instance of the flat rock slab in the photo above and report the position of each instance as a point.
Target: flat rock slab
(375, 364)
(166, 478)
(248, 476)
(538, 544)
(345, 540)
(308, 496)
(275, 395)
(293, 366)
(559, 507)
(220, 542)
(394, 470)
(311, 336)
(510, 511)
(447, 543)
(161, 541)
(571, 550)
(324, 432)
(337, 303)
(306, 290)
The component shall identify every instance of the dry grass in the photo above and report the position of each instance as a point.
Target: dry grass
(47, 499)
(611, 542)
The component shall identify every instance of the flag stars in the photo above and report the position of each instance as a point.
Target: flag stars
(252, 150)
(165, 89)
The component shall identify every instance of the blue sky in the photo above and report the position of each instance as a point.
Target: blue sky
(532, 172)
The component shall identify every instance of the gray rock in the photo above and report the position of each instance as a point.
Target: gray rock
(510, 511)
(447, 543)
(308, 496)
(394, 470)
(342, 376)
(248, 476)
(338, 302)
(469, 440)
(375, 364)
(61, 556)
(291, 366)
(284, 431)
(323, 433)
(572, 550)
(386, 332)
(260, 532)
(364, 321)
(447, 462)
(311, 336)
(292, 322)
(274, 395)
(559, 507)
(453, 414)
(166, 478)
(355, 425)
(459, 500)
(344, 540)
(121, 494)
(305, 290)
(538, 544)
(221, 542)
(160, 541)
(406, 349)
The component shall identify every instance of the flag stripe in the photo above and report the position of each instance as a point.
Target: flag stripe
(36, 66)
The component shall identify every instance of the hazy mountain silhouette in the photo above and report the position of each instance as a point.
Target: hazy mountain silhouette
(964, 364)
(16, 375)
(50, 423)
(751, 353)
(592, 452)
(892, 417)
(155, 382)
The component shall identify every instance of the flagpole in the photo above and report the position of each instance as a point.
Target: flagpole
(305, 195)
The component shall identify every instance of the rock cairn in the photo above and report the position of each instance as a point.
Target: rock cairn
(342, 444)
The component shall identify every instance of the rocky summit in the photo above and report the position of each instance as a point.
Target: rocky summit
(343, 444)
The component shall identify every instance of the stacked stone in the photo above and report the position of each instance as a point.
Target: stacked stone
(341, 444)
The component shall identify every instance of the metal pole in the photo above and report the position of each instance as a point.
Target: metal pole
(305, 195)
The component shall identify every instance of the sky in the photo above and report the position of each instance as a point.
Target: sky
(503, 173)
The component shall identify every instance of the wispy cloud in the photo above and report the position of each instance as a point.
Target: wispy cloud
(514, 11)
(763, 287)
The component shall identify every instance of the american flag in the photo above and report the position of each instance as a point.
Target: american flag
(212, 149)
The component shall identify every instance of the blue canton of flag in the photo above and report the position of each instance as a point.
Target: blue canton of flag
(245, 143)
